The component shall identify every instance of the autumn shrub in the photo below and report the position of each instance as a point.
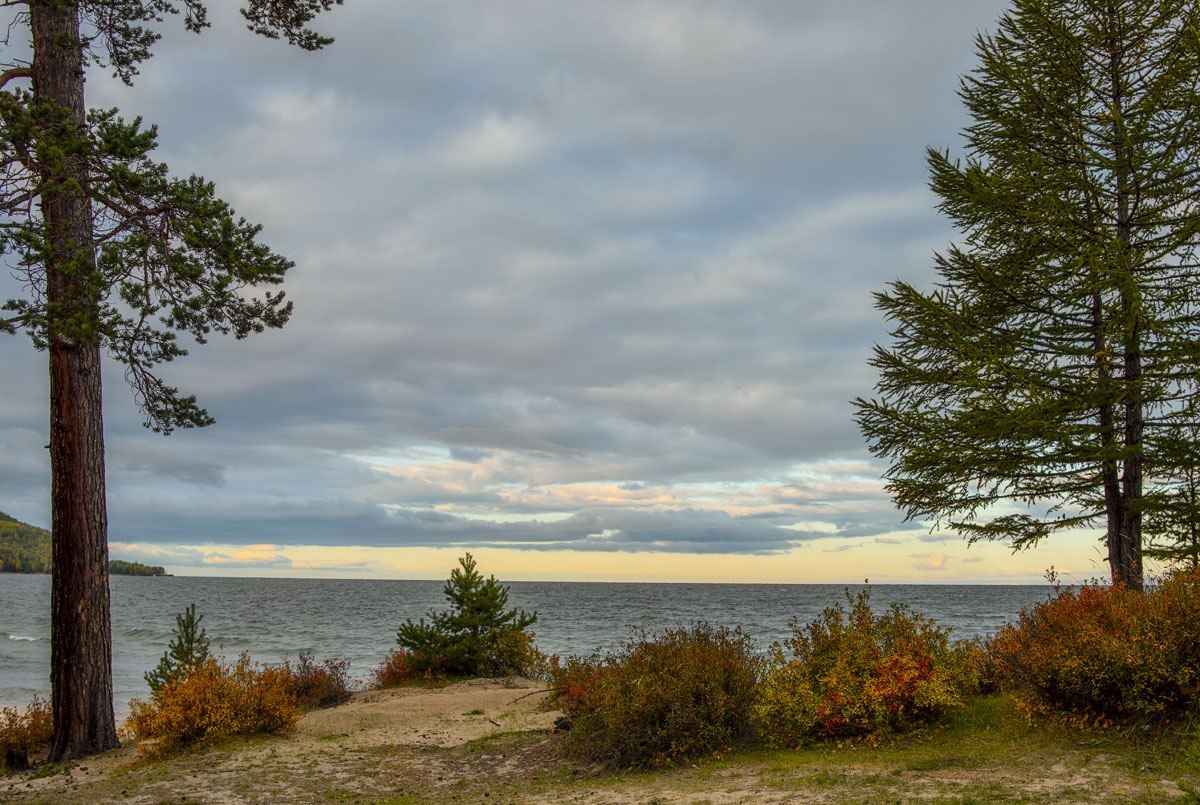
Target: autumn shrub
(854, 673)
(1106, 655)
(322, 684)
(395, 670)
(684, 693)
(214, 700)
(24, 732)
(577, 684)
(513, 651)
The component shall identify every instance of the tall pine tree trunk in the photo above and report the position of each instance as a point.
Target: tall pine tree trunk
(80, 630)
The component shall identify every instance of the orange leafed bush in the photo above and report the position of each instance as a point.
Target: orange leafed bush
(22, 732)
(1106, 654)
(408, 667)
(856, 673)
(396, 669)
(576, 684)
(212, 701)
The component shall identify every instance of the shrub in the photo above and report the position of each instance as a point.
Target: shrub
(187, 650)
(1106, 654)
(214, 700)
(513, 651)
(23, 732)
(856, 673)
(477, 636)
(684, 693)
(319, 685)
(396, 669)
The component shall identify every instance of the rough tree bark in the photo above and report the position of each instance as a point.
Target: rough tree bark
(80, 629)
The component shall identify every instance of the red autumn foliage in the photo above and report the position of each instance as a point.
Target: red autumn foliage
(1106, 655)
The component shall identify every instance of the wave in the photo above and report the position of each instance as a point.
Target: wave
(26, 638)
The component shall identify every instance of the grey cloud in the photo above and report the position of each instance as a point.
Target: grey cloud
(126, 455)
(339, 523)
(501, 438)
(24, 474)
(630, 243)
(471, 454)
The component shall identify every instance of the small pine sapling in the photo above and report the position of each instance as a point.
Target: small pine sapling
(476, 636)
(187, 650)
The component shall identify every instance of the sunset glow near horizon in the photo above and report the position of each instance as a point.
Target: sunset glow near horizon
(822, 561)
(584, 289)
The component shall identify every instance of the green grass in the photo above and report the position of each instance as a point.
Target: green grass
(983, 753)
(48, 770)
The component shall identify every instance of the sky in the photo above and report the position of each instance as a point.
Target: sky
(583, 288)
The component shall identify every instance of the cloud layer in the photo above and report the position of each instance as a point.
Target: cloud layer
(569, 275)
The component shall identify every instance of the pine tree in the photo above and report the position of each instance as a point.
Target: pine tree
(1037, 386)
(468, 638)
(188, 649)
(117, 257)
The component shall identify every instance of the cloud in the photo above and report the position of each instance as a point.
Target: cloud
(339, 524)
(249, 557)
(931, 561)
(495, 142)
(576, 275)
(157, 460)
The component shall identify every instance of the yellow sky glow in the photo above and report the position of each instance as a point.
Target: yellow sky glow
(897, 559)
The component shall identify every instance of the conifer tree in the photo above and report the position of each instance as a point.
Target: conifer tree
(1037, 387)
(1173, 516)
(117, 257)
(467, 637)
(188, 649)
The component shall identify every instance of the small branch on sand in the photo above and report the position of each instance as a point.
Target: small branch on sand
(531, 693)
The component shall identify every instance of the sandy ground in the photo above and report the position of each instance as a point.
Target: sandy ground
(493, 741)
(380, 744)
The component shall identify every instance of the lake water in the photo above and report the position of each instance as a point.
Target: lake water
(274, 619)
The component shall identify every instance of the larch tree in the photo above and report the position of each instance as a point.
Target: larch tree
(116, 256)
(1049, 378)
(1173, 515)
